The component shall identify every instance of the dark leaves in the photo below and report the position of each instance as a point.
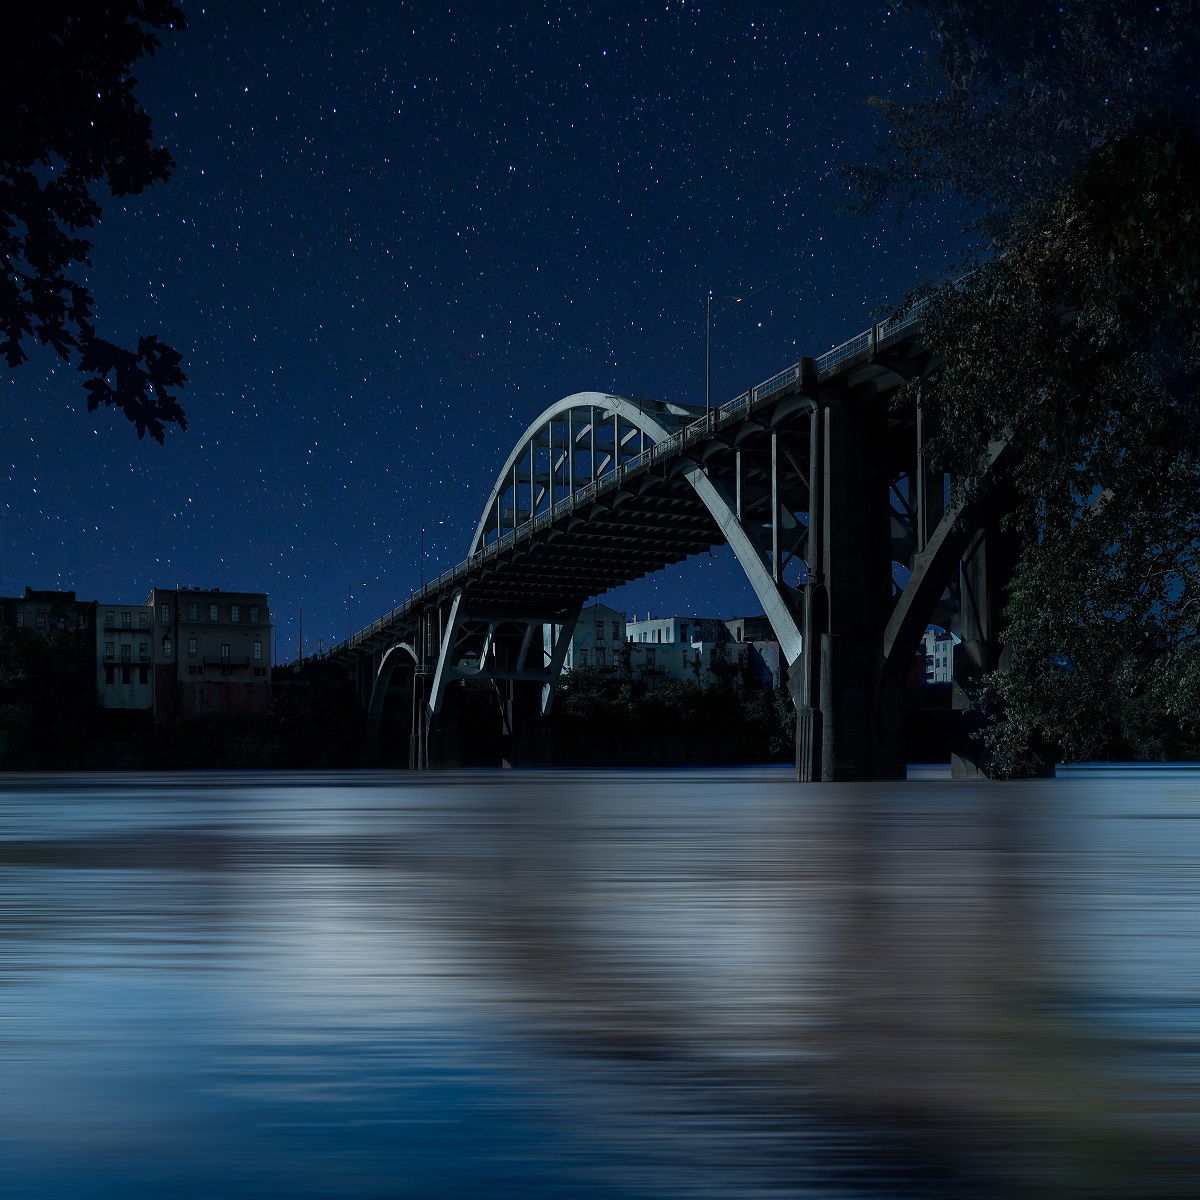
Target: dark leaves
(69, 121)
(141, 385)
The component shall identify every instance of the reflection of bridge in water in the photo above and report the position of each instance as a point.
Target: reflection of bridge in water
(816, 479)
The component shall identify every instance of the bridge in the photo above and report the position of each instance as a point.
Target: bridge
(816, 479)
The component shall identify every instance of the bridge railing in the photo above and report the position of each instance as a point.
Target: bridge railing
(694, 432)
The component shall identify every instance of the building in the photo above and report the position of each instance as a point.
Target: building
(701, 649)
(48, 612)
(676, 631)
(124, 656)
(750, 629)
(939, 655)
(598, 640)
(211, 651)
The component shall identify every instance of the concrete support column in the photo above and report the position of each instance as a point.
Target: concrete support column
(856, 569)
(804, 676)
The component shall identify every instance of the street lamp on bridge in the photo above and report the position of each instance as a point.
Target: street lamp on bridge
(349, 623)
(439, 521)
(708, 344)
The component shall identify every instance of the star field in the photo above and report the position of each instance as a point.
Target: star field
(397, 232)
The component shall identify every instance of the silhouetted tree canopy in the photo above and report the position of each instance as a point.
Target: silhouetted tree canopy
(1069, 131)
(70, 123)
(1015, 94)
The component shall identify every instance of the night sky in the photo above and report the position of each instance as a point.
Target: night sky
(397, 232)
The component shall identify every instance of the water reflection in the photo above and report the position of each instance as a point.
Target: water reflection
(674, 984)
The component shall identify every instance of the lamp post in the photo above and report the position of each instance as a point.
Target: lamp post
(349, 623)
(439, 521)
(708, 347)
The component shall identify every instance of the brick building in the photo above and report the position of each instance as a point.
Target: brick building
(212, 653)
(124, 656)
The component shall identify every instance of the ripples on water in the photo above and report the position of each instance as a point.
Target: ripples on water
(599, 985)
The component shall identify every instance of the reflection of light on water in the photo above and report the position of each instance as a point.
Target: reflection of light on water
(200, 963)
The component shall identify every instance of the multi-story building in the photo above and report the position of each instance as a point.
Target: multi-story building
(939, 655)
(750, 629)
(676, 631)
(660, 648)
(598, 640)
(125, 656)
(48, 612)
(212, 652)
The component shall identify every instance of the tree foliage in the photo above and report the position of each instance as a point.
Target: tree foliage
(48, 705)
(603, 718)
(1016, 94)
(70, 124)
(1072, 129)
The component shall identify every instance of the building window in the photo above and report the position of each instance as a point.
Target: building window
(582, 656)
(225, 653)
(110, 673)
(616, 628)
(143, 652)
(127, 620)
(258, 651)
(41, 620)
(108, 620)
(143, 674)
(235, 614)
(110, 651)
(214, 612)
(20, 619)
(60, 623)
(164, 613)
(192, 649)
(126, 674)
(143, 619)
(127, 653)
(659, 637)
(193, 611)
(255, 614)
(81, 620)
(166, 647)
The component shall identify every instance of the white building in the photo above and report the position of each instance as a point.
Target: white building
(676, 631)
(599, 639)
(939, 655)
(125, 655)
(656, 649)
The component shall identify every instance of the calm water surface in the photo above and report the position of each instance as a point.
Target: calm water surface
(709, 983)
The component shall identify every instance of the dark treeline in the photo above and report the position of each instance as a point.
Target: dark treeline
(601, 720)
(50, 720)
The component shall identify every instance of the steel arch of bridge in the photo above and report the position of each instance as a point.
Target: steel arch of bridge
(608, 432)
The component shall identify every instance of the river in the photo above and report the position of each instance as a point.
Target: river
(599, 984)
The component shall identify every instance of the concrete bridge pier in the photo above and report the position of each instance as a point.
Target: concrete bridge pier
(847, 599)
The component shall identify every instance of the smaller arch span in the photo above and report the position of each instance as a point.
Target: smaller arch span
(388, 662)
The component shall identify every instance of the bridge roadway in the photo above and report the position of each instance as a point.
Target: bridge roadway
(817, 481)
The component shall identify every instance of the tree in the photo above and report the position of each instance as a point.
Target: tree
(71, 123)
(1069, 131)
(1018, 93)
